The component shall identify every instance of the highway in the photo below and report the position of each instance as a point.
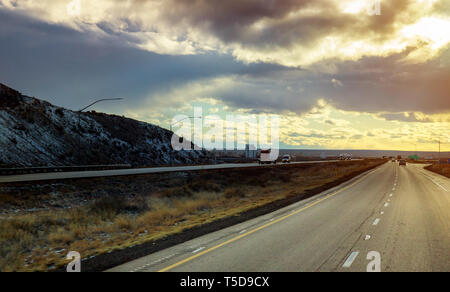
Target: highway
(133, 171)
(401, 214)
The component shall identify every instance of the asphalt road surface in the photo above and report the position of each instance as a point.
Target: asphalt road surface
(394, 216)
(134, 171)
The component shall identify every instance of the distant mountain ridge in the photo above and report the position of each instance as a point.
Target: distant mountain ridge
(36, 133)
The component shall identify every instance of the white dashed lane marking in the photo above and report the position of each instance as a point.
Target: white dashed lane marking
(152, 263)
(348, 263)
(198, 249)
(435, 182)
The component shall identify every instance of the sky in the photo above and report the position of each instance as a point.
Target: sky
(340, 74)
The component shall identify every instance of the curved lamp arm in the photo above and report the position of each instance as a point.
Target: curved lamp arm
(100, 100)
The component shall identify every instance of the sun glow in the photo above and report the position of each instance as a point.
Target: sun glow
(434, 31)
(430, 34)
(354, 7)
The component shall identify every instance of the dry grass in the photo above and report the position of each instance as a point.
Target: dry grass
(443, 169)
(39, 241)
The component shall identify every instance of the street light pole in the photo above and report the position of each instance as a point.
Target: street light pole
(439, 149)
(79, 118)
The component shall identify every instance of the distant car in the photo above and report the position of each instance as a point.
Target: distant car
(393, 159)
(286, 159)
(402, 162)
(345, 156)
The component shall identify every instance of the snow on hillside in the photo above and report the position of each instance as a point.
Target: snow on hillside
(35, 133)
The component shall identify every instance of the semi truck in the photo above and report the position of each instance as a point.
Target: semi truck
(266, 157)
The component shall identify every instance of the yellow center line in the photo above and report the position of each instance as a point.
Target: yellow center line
(261, 227)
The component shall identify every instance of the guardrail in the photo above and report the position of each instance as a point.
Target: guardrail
(29, 170)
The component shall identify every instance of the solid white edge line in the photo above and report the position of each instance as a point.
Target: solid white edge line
(432, 180)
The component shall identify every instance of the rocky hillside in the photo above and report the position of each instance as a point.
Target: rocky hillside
(35, 133)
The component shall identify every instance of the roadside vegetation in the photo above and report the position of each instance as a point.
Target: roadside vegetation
(443, 169)
(41, 223)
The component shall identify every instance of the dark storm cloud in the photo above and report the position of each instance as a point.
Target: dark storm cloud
(232, 20)
(373, 84)
(376, 84)
(69, 68)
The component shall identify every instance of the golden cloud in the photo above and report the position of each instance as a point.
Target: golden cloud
(286, 32)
